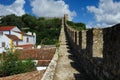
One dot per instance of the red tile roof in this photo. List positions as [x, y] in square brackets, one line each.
[36, 54]
[25, 34]
[35, 75]
[13, 37]
[26, 46]
[43, 62]
[6, 28]
[43, 55]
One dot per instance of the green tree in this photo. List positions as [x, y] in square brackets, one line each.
[12, 20]
[48, 30]
[77, 26]
[11, 64]
[30, 21]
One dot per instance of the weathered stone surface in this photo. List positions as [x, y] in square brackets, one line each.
[64, 70]
[97, 43]
[98, 51]
[83, 39]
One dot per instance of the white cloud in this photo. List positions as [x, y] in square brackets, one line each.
[97, 25]
[108, 12]
[51, 8]
[15, 8]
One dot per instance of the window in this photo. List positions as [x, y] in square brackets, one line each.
[1, 33]
[3, 44]
[27, 40]
[16, 43]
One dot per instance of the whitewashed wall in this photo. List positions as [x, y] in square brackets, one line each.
[16, 29]
[7, 43]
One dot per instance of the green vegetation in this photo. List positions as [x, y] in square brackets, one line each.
[46, 29]
[76, 26]
[10, 65]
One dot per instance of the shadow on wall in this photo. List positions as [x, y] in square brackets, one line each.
[89, 43]
[111, 51]
[77, 65]
[97, 51]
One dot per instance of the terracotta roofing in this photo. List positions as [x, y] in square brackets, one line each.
[26, 46]
[6, 28]
[43, 62]
[13, 37]
[43, 55]
[23, 33]
[35, 75]
[36, 54]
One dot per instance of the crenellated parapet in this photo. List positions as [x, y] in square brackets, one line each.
[98, 49]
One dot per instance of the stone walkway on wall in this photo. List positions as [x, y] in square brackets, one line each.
[66, 66]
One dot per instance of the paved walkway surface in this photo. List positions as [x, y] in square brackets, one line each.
[67, 67]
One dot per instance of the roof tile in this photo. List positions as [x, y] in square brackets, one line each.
[26, 46]
[35, 75]
[6, 28]
[13, 37]
[25, 34]
[36, 54]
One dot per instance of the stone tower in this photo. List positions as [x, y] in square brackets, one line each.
[66, 17]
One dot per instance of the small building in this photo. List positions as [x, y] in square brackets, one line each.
[11, 36]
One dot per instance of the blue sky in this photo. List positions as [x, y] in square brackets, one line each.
[94, 13]
[80, 7]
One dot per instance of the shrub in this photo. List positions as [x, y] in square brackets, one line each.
[77, 26]
[11, 64]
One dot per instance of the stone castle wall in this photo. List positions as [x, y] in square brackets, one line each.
[98, 51]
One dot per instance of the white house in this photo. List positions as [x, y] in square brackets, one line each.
[11, 36]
